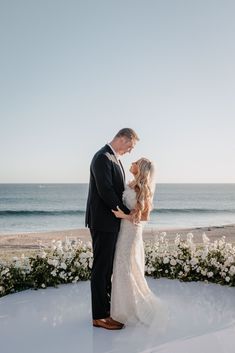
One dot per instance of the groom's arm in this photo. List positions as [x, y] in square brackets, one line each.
[102, 171]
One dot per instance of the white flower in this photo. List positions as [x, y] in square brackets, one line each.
[210, 274]
[5, 271]
[148, 270]
[89, 244]
[177, 239]
[194, 261]
[204, 253]
[43, 285]
[227, 278]
[63, 265]
[229, 260]
[17, 264]
[205, 239]
[62, 275]
[42, 255]
[53, 262]
[222, 242]
[173, 262]
[83, 261]
[232, 270]
[85, 265]
[90, 263]
[83, 255]
[189, 237]
[59, 243]
[166, 260]
[53, 273]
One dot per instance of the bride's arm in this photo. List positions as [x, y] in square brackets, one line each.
[120, 214]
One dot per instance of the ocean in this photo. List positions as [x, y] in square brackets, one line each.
[46, 207]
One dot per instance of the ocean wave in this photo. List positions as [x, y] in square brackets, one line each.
[40, 212]
[82, 212]
[192, 210]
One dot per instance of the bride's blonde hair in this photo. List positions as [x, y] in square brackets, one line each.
[142, 187]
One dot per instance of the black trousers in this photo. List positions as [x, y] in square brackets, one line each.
[103, 244]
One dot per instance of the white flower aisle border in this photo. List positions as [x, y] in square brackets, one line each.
[71, 261]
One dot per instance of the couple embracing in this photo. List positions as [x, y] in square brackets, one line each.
[115, 215]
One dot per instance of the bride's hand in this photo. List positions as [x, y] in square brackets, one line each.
[119, 213]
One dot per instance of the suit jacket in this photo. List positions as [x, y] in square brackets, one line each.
[105, 192]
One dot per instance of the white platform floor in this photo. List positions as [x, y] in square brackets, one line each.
[58, 320]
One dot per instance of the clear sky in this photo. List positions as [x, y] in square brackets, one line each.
[74, 72]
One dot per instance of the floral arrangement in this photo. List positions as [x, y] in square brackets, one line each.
[71, 261]
[209, 262]
[66, 262]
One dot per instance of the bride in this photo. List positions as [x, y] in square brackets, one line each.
[132, 301]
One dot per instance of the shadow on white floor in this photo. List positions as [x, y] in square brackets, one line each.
[58, 320]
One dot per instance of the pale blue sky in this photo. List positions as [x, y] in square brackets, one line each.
[74, 72]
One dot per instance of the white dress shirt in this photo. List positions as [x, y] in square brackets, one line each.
[118, 159]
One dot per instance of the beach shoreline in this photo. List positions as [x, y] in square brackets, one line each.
[29, 243]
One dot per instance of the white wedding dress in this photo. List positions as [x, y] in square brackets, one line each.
[132, 301]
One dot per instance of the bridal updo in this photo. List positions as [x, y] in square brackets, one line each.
[144, 186]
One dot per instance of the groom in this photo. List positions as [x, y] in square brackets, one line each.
[107, 180]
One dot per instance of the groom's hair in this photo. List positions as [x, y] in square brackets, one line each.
[129, 133]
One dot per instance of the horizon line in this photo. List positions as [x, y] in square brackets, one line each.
[69, 183]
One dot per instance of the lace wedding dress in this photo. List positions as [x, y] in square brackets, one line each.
[132, 301]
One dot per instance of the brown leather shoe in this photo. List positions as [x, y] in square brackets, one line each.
[107, 324]
[115, 322]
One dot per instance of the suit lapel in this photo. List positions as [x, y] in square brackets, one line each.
[122, 170]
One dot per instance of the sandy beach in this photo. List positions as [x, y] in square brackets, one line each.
[29, 243]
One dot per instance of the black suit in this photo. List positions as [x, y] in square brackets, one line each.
[105, 193]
